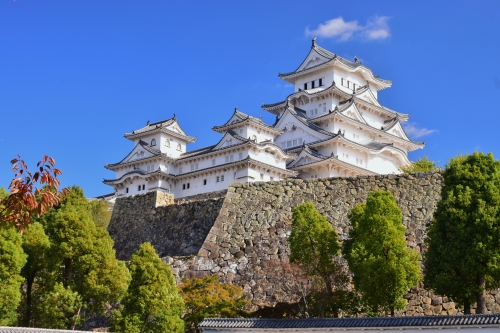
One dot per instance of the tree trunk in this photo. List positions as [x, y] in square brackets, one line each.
[466, 307]
[67, 272]
[392, 311]
[481, 296]
[29, 299]
[329, 289]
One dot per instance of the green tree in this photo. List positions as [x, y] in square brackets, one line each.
[314, 246]
[85, 253]
[99, 210]
[422, 164]
[463, 241]
[152, 303]
[208, 298]
[61, 307]
[384, 267]
[12, 260]
[3, 193]
[36, 245]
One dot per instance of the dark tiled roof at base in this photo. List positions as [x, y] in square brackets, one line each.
[4, 329]
[377, 322]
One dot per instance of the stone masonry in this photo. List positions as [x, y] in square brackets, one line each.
[238, 235]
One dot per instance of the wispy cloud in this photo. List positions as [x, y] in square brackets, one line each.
[337, 28]
[416, 132]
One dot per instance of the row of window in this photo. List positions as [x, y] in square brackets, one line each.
[313, 84]
[227, 158]
[349, 84]
[167, 144]
[291, 143]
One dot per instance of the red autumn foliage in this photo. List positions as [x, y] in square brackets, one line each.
[26, 201]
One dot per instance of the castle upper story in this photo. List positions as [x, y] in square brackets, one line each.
[332, 125]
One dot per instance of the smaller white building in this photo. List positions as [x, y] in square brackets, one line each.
[429, 324]
[159, 160]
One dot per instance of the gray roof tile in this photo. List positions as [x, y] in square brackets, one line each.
[369, 322]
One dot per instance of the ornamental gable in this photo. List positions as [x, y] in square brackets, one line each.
[229, 139]
[368, 96]
[139, 152]
[313, 59]
[353, 112]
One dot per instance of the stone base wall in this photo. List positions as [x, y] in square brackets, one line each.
[247, 230]
[173, 229]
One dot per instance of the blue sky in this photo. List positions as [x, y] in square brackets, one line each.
[76, 75]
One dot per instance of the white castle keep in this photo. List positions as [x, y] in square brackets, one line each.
[331, 126]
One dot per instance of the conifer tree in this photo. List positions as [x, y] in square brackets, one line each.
[314, 246]
[384, 267]
[463, 241]
[152, 303]
[85, 253]
[12, 260]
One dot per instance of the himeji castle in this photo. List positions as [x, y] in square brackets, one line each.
[332, 125]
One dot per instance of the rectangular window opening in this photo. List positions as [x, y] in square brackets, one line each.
[221, 178]
[312, 84]
[217, 179]
[321, 82]
[143, 187]
[183, 186]
[204, 182]
[305, 86]
[187, 185]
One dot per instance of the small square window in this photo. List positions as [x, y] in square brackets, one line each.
[312, 84]
[143, 187]
[305, 86]
[240, 155]
[295, 142]
[187, 185]
[180, 169]
[218, 179]
[221, 178]
[183, 186]
[321, 82]
[289, 144]
[204, 182]
[213, 162]
[126, 190]
[139, 188]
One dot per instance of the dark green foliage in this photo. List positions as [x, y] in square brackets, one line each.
[61, 307]
[12, 259]
[420, 165]
[384, 267]
[86, 257]
[314, 246]
[152, 303]
[463, 255]
[36, 272]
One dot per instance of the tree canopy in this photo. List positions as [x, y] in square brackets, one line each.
[208, 298]
[463, 241]
[12, 260]
[99, 211]
[314, 246]
[152, 303]
[384, 267]
[25, 201]
[85, 253]
[422, 164]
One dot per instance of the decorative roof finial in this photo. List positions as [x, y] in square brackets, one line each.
[356, 60]
[235, 108]
[314, 41]
[260, 117]
[147, 123]
[175, 117]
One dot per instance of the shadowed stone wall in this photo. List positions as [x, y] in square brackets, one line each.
[175, 229]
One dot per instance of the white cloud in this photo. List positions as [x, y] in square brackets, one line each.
[415, 132]
[336, 27]
[376, 28]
